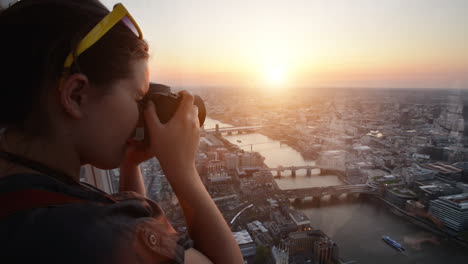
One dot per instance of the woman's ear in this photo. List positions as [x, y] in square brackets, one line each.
[73, 92]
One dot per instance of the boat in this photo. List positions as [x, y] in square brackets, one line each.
[394, 244]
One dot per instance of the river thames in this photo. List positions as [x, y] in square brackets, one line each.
[357, 227]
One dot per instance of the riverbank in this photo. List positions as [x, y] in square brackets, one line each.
[281, 136]
[292, 142]
[427, 225]
[357, 227]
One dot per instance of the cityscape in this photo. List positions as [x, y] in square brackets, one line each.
[321, 175]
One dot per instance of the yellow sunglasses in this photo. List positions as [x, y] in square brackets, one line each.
[118, 13]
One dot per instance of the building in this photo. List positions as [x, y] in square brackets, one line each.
[263, 239]
[280, 254]
[357, 172]
[445, 170]
[452, 210]
[325, 251]
[462, 186]
[260, 233]
[323, 248]
[216, 171]
[415, 208]
[388, 181]
[360, 150]
[399, 196]
[251, 159]
[303, 241]
[433, 189]
[228, 200]
[300, 219]
[212, 155]
[245, 242]
[464, 166]
[256, 227]
[232, 161]
[284, 225]
[416, 173]
[273, 228]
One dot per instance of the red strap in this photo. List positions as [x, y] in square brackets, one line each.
[22, 200]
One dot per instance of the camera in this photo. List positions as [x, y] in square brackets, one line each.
[166, 104]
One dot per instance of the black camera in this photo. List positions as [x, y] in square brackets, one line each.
[166, 104]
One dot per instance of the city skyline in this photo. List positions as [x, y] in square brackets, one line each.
[383, 170]
[272, 44]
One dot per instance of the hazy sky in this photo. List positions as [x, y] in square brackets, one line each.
[378, 43]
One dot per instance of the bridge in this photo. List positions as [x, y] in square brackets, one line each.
[333, 191]
[230, 130]
[293, 169]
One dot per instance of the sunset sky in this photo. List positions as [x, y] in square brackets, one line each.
[305, 43]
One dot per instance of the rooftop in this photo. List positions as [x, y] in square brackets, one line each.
[461, 164]
[299, 218]
[460, 200]
[362, 148]
[242, 237]
[442, 167]
[305, 234]
[416, 170]
[257, 226]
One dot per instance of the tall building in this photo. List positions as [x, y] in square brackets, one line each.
[450, 120]
[216, 171]
[232, 161]
[404, 117]
[325, 251]
[280, 253]
[251, 159]
[452, 210]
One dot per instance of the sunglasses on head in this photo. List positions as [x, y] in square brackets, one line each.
[118, 14]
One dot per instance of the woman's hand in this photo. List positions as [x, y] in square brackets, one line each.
[130, 173]
[176, 142]
[137, 152]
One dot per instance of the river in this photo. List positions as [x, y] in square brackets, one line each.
[357, 227]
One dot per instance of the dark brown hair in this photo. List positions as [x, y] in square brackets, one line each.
[37, 35]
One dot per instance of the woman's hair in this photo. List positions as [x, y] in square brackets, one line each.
[37, 35]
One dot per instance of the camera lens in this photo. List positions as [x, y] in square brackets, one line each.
[166, 104]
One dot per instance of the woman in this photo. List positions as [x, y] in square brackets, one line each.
[72, 77]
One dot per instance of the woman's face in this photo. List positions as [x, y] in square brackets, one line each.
[112, 118]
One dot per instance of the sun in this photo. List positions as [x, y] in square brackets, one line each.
[275, 76]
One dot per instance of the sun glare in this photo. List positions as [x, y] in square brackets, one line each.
[275, 76]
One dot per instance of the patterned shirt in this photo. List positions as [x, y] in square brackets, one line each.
[121, 228]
